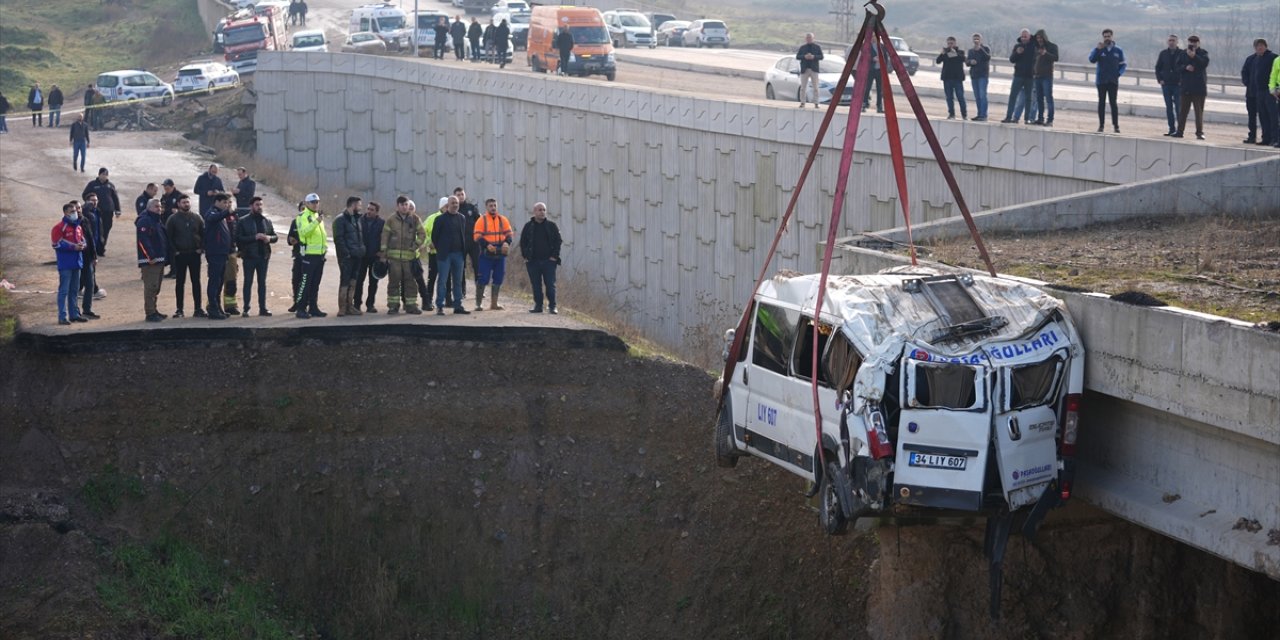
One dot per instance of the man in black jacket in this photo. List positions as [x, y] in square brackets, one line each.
[448, 235]
[442, 37]
[1256, 74]
[1192, 65]
[471, 213]
[4, 113]
[459, 32]
[540, 246]
[810, 56]
[35, 103]
[564, 46]
[55, 106]
[244, 191]
[1023, 59]
[952, 60]
[978, 60]
[208, 185]
[79, 136]
[1169, 78]
[348, 243]
[501, 40]
[1046, 56]
[254, 237]
[474, 32]
[108, 202]
[371, 224]
[149, 192]
[186, 239]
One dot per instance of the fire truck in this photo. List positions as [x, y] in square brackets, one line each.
[242, 39]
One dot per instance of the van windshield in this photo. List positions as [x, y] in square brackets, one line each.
[243, 35]
[589, 35]
[391, 23]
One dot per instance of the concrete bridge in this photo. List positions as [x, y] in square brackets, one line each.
[666, 202]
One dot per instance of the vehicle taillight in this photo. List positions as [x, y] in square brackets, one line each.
[878, 437]
[1070, 424]
[1065, 486]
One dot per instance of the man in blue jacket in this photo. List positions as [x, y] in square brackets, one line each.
[153, 254]
[217, 248]
[1169, 78]
[1109, 66]
[1255, 75]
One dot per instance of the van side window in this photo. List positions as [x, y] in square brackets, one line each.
[841, 362]
[803, 361]
[775, 334]
[364, 24]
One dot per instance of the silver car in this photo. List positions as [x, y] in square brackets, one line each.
[706, 33]
[782, 80]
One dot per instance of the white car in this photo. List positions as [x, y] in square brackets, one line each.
[309, 40]
[134, 84]
[205, 76]
[629, 29]
[706, 33]
[782, 80]
[511, 6]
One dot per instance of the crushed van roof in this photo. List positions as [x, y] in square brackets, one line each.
[878, 312]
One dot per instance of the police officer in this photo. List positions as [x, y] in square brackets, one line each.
[311, 240]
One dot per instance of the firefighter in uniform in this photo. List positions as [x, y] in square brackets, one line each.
[402, 238]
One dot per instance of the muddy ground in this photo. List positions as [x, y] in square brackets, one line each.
[1219, 265]
[557, 487]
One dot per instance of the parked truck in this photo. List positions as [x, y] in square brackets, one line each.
[243, 38]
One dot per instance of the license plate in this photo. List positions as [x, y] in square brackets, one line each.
[937, 462]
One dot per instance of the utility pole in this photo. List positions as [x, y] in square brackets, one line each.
[843, 10]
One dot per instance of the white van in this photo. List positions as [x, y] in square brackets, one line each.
[936, 390]
[389, 22]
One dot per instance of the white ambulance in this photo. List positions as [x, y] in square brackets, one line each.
[389, 22]
[938, 390]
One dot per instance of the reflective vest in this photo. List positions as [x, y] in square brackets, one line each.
[402, 236]
[311, 236]
[492, 229]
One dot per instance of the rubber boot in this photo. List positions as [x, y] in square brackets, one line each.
[493, 301]
[343, 297]
[479, 298]
[353, 305]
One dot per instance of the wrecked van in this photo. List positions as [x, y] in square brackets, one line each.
[937, 391]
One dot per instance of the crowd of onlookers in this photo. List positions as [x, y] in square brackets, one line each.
[1182, 73]
[227, 232]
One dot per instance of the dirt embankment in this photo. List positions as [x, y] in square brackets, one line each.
[553, 486]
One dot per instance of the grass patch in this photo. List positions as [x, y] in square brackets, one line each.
[106, 491]
[172, 585]
[90, 38]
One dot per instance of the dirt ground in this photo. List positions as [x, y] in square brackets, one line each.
[1223, 266]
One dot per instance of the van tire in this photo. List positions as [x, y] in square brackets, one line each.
[611, 75]
[830, 516]
[726, 455]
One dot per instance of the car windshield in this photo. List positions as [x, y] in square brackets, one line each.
[308, 41]
[243, 35]
[391, 23]
[589, 35]
[899, 44]
[633, 20]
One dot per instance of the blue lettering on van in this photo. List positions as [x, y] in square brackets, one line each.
[767, 415]
[1045, 340]
[925, 356]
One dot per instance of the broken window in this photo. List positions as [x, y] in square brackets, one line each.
[804, 350]
[945, 386]
[842, 362]
[1033, 384]
[775, 334]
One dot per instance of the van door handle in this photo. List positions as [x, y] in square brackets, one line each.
[1014, 432]
[744, 376]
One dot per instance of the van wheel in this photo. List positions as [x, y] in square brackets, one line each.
[726, 455]
[611, 75]
[830, 516]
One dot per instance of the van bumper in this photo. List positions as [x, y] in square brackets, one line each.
[591, 66]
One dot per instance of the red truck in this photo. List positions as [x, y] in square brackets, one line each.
[243, 39]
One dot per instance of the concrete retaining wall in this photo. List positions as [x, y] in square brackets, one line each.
[1249, 188]
[1181, 428]
[665, 201]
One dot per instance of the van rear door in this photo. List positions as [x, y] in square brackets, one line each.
[943, 432]
[1027, 424]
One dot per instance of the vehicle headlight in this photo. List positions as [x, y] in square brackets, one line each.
[609, 58]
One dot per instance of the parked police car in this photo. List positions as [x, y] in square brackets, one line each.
[134, 84]
[205, 76]
[936, 390]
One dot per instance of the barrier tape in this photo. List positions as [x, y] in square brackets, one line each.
[121, 103]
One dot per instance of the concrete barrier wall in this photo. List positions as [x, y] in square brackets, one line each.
[1181, 426]
[665, 201]
[1250, 188]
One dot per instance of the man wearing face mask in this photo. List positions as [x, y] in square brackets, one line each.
[348, 242]
[68, 242]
